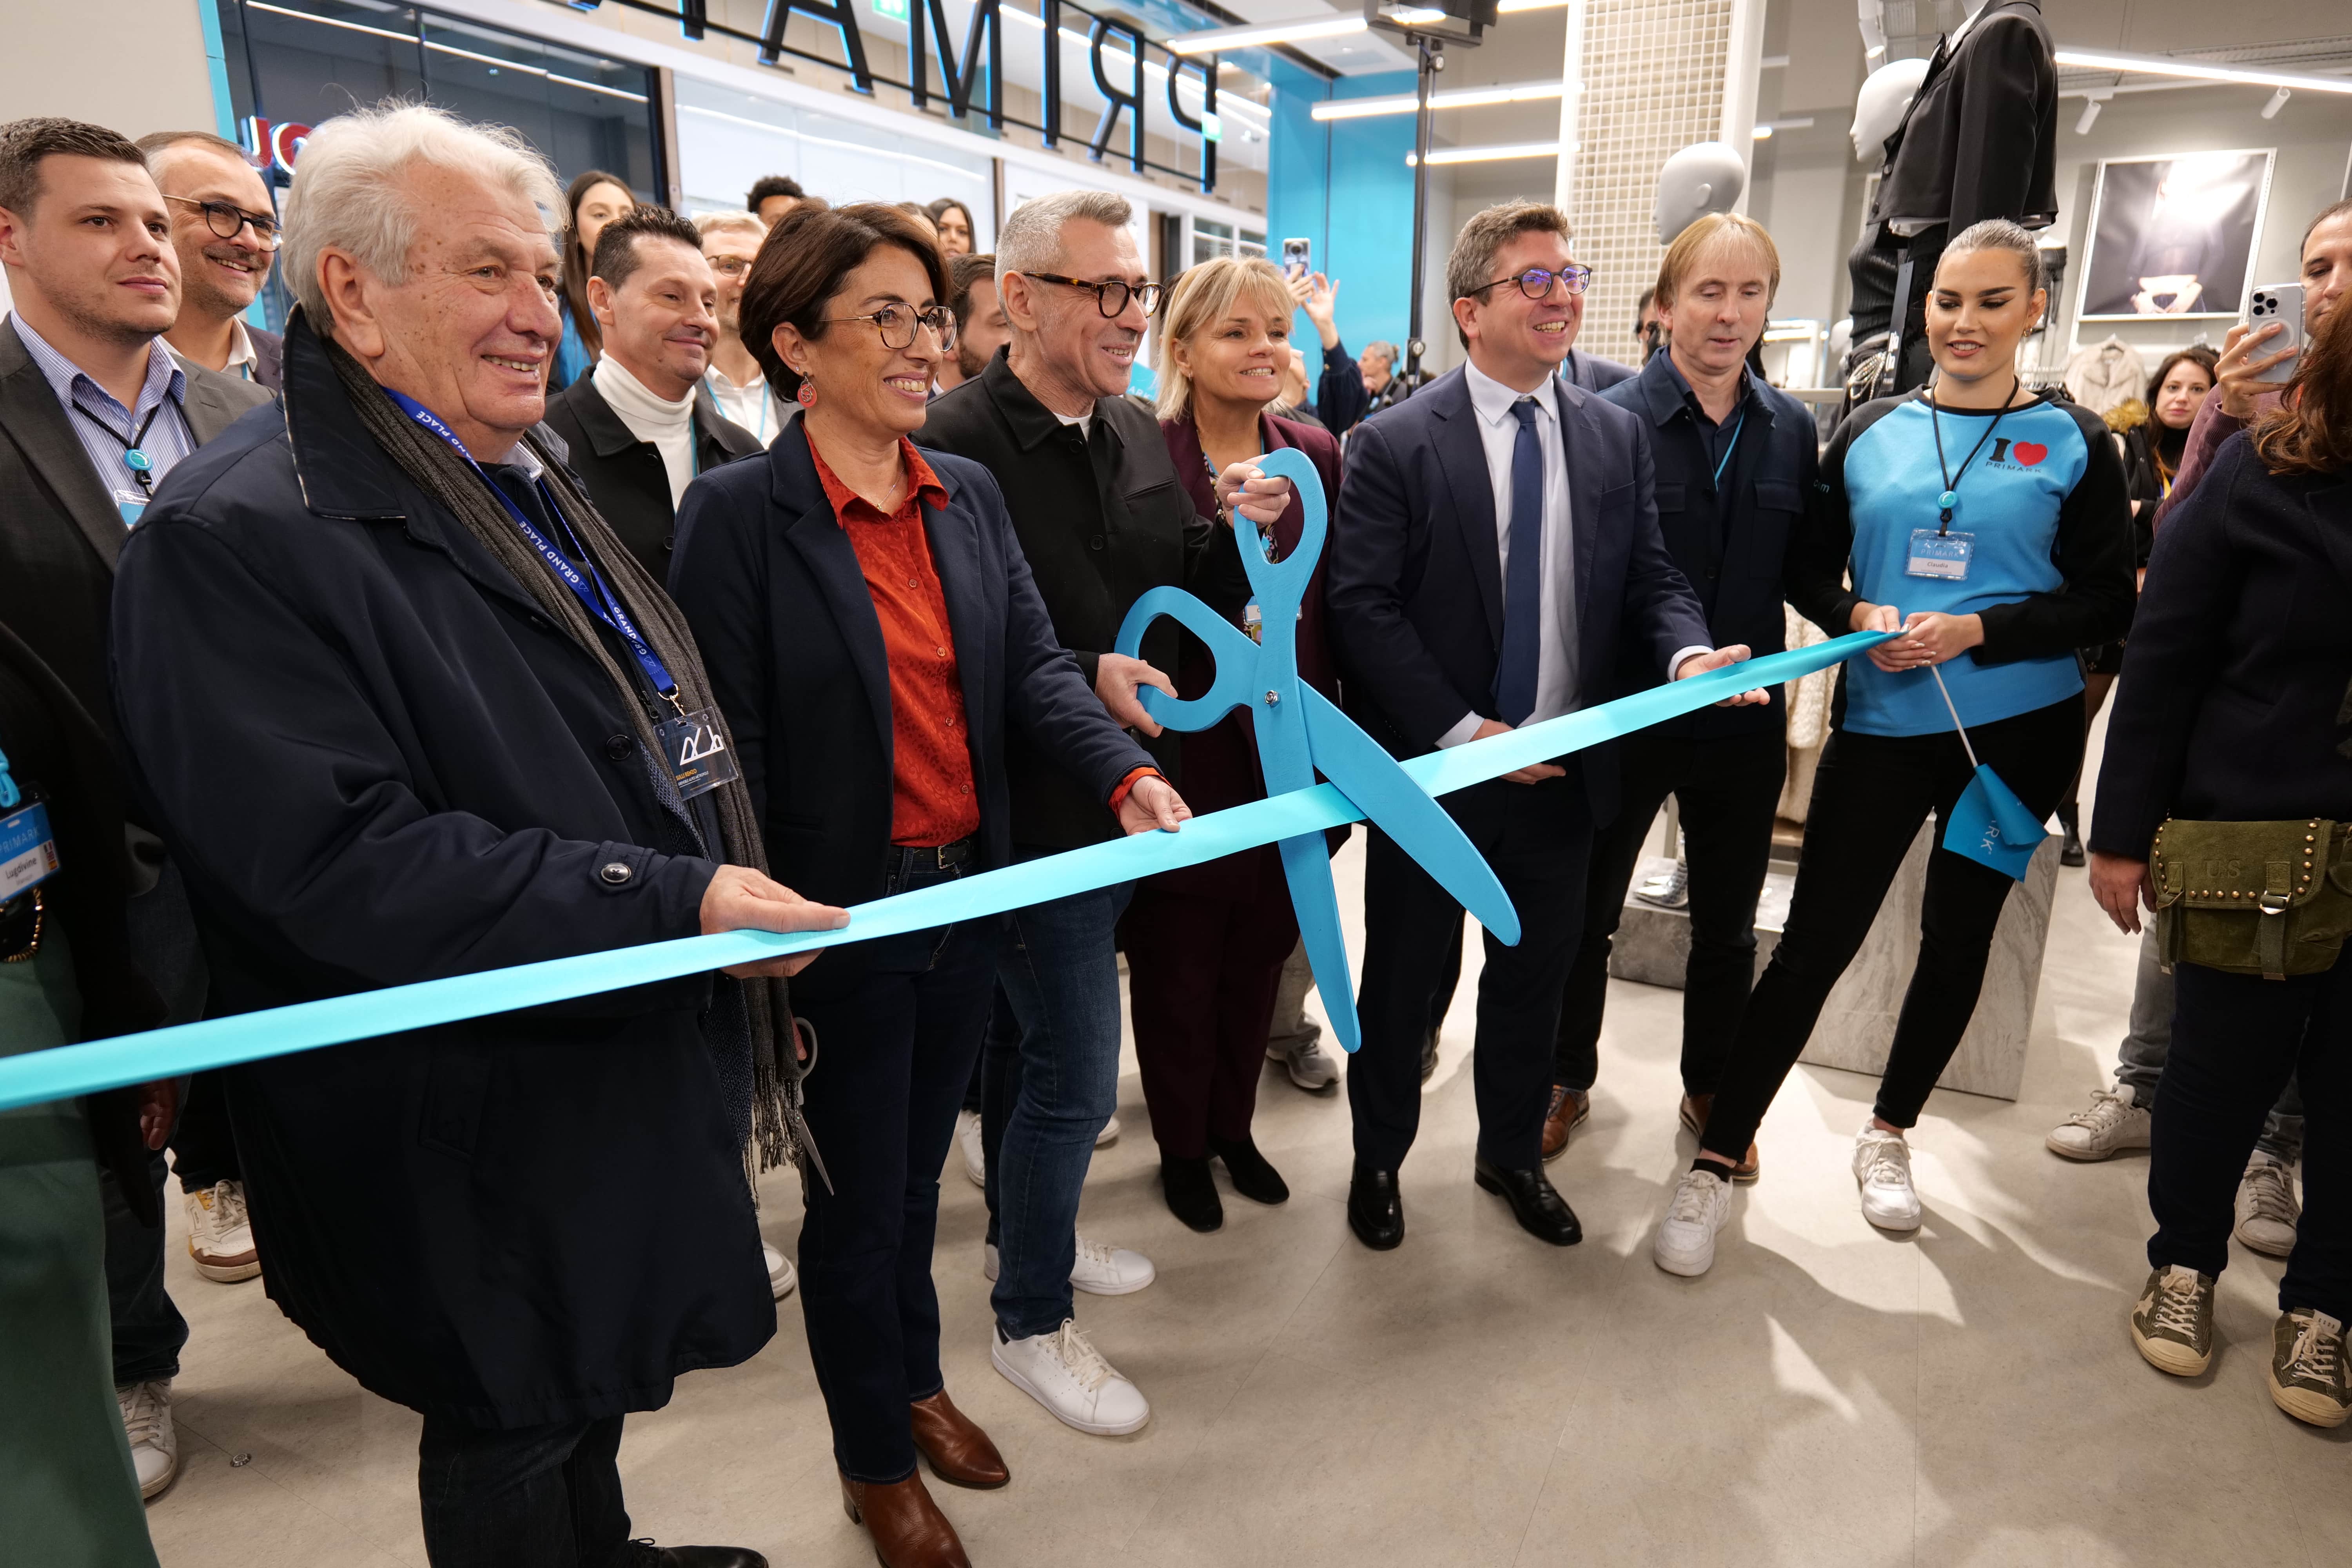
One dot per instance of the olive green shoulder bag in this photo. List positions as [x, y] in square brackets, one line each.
[2271, 898]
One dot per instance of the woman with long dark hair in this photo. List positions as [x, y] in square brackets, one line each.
[2228, 765]
[593, 200]
[952, 219]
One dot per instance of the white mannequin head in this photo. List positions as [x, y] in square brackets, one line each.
[1704, 177]
[1878, 108]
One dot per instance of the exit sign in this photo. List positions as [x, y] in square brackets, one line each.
[890, 10]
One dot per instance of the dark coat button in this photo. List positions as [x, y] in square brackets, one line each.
[1098, 541]
[617, 747]
[616, 872]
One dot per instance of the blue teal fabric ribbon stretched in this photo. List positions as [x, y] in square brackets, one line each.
[85, 1068]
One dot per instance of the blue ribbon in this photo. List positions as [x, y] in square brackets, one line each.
[67, 1071]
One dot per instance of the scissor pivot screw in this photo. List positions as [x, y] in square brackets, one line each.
[1272, 698]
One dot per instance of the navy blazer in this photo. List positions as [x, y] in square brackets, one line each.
[1414, 583]
[2239, 669]
[772, 585]
[1735, 567]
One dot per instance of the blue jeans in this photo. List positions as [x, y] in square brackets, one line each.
[1048, 1092]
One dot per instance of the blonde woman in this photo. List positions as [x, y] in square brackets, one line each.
[1205, 945]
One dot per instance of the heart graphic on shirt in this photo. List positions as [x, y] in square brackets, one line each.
[2030, 452]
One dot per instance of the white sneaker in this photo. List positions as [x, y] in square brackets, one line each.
[781, 1277]
[1686, 1242]
[2115, 1121]
[1882, 1168]
[147, 1422]
[220, 1238]
[1309, 1065]
[1101, 1269]
[1108, 1135]
[2267, 1211]
[975, 1156]
[1064, 1372]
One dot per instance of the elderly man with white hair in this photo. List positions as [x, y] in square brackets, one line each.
[401, 703]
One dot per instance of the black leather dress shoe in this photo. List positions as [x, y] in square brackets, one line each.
[1541, 1212]
[1375, 1212]
[646, 1553]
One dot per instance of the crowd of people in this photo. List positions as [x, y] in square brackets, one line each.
[394, 648]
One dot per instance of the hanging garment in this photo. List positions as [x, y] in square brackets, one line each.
[2105, 374]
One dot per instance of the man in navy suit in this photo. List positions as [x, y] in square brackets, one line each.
[1496, 547]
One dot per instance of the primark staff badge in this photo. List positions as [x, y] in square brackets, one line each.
[695, 747]
[28, 851]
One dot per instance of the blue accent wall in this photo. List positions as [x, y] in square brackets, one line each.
[1344, 184]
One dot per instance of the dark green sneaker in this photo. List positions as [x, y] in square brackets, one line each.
[2173, 1324]
[2307, 1378]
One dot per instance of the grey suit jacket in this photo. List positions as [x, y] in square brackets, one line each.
[59, 534]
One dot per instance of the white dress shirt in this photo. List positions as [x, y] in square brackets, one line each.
[242, 360]
[753, 406]
[1499, 433]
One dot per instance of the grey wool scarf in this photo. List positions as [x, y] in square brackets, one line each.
[749, 1024]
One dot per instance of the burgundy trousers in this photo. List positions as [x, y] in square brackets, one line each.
[1202, 975]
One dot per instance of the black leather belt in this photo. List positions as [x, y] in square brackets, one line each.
[936, 857]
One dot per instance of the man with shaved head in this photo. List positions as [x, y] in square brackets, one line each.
[225, 228]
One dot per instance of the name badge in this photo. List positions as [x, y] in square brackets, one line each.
[1944, 555]
[695, 747]
[130, 504]
[27, 852]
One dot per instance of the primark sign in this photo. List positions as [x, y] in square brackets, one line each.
[970, 69]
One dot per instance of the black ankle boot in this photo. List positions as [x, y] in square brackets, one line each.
[1252, 1177]
[1191, 1193]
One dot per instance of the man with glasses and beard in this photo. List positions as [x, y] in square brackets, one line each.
[980, 326]
[225, 228]
[730, 241]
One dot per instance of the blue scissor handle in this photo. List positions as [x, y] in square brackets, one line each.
[1283, 584]
[1236, 657]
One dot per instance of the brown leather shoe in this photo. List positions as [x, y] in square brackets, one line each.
[907, 1528]
[959, 1452]
[1695, 1110]
[1568, 1108]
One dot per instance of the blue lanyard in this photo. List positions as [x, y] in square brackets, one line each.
[598, 600]
[761, 432]
[1729, 447]
[9, 794]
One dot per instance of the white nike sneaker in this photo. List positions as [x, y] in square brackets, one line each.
[2268, 1214]
[975, 1156]
[1108, 1135]
[2115, 1120]
[1686, 1241]
[1101, 1269]
[781, 1277]
[1069, 1377]
[147, 1422]
[1882, 1168]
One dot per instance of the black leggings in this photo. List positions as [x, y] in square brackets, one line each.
[1871, 792]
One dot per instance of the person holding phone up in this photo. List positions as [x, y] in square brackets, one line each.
[1989, 525]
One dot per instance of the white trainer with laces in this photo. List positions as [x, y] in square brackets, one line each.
[220, 1238]
[147, 1422]
[1686, 1241]
[781, 1277]
[1882, 1168]
[967, 1139]
[1309, 1065]
[1100, 1270]
[1108, 1135]
[1064, 1372]
[2113, 1121]
[2268, 1214]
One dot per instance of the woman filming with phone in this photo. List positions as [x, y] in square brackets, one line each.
[1988, 525]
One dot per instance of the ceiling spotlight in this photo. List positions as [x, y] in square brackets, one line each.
[2278, 102]
[2090, 116]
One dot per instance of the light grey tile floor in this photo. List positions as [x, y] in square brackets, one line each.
[1827, 1395]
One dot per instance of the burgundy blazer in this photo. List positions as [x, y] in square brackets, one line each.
[1221, 762]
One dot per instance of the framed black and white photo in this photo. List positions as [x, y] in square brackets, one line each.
[2175, 235]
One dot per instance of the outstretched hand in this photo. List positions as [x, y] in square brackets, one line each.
[740, 899]
[1722, 659]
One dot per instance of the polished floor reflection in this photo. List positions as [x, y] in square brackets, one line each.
[1827, 1395]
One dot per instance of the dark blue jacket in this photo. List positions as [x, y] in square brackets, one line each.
[787, 628]
[1732, 562]
[376, 761]
[1414, 584]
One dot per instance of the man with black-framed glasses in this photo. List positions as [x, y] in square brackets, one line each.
[225, 228]
[1094, 499]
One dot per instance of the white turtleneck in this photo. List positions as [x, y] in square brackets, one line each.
[669, 426]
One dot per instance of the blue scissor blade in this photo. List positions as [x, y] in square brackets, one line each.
[1307, 863]
[1383, 792]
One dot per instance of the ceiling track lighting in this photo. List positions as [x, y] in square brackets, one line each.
[1487, 154]
[2278, 102]
[2199, 70]
[2090, 116]
[1465, 98]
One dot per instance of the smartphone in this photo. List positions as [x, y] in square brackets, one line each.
[1297, 263]
[2282, 304]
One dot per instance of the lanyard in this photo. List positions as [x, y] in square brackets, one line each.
[766, 398]
[9, 794]
[1952, 496]
[141, 465]
[594, 594]
[1729, 447]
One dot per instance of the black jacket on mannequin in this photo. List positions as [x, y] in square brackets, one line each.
[1981, 138]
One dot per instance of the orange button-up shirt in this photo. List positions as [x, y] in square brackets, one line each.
[931, 799]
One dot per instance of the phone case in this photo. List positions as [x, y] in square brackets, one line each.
[2282, 303]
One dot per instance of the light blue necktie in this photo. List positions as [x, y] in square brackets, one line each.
[1515, 674]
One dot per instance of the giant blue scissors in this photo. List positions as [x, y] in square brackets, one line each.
[1299, 734]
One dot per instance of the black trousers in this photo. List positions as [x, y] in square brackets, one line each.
[1871, 792]
[1539, 839]
[2236, 1040]
[204, 1149]
[534, 1496]
[1728, 788]
[896, 1053]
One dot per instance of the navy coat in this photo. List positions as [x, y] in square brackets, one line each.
[780, 607]
[1733, 566]
[376, 762]
[1414, 583]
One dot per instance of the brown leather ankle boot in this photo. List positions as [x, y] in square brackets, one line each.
[907, 1528]
[959, 1452]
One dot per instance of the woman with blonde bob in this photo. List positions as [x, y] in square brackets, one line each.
[1205, 945]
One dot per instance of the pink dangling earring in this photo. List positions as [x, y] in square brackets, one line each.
[806, 395]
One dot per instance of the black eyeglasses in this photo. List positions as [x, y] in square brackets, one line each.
[1536, 281]
[1111, 296]
[896, 324]
[224, 220]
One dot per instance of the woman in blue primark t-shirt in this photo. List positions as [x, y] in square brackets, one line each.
[1990, 526]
